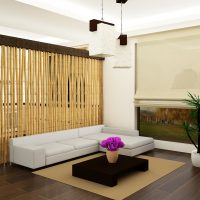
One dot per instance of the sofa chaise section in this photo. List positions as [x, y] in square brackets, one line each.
[134, 144]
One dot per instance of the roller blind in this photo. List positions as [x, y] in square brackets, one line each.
[167, 67]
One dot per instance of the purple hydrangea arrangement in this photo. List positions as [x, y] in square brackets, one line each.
[112, 143]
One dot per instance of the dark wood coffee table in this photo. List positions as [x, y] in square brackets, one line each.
[100, 171]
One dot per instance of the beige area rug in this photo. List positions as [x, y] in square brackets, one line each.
[126, 185]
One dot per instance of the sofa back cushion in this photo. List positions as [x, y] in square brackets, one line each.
[32, 139]
[119, 131]
[65, 134]
[45, 138]
[90, 130]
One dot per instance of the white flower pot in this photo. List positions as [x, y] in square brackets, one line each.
[195, 158]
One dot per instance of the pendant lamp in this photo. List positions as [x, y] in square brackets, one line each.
[124, 48]
[103, 38]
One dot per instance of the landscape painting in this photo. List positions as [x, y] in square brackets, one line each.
[164, 123]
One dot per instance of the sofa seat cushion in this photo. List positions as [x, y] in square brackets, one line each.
[135, 141]
[80, 143]
[98, 136]
[56, 148]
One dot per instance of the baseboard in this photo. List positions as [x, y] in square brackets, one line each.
[174, 146]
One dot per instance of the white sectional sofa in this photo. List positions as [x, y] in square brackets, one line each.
[44, 149]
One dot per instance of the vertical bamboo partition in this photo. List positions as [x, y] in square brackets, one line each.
[43, 92]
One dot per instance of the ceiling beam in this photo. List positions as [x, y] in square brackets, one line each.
[41, 46]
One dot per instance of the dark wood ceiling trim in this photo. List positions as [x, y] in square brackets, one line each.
[121, 1]
[94, 22]
[40, 46]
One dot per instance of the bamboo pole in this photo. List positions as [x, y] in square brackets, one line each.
[101, 92]
[59, 93]
[64, 91]
[87, 92]
[44, 100]
[51, 94]
[1, 96]
[42, 79]
[54, 65]
[17, 91]
[30, 95]
[7, 102]
[20, 94]
[55, 91]
[48, 89]
[71, 93]
[11, 97]
[83, 92]
[68, 114]
[25, 93]
[2, 101]
[31, 117]
[90, 92]
[68, 96]
[76, 91]
[37, 91]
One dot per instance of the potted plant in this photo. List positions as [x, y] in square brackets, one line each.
[193, 130]
[112, 144]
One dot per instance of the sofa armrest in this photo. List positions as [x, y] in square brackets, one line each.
[119, 131]
[29, 156]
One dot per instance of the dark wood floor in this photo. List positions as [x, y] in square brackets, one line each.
[18, 183]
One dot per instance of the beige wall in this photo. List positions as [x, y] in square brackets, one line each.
[119, 87]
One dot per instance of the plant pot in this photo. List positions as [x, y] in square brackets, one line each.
[112, 156]
[195, 157]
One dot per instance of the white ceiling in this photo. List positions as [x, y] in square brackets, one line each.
[135, 12]
[66, 20]
[32, 36]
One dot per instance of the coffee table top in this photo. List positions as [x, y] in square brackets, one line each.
[101, 165]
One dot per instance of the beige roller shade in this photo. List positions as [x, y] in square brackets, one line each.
[167, 67]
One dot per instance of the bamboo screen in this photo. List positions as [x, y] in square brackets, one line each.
[43, 92]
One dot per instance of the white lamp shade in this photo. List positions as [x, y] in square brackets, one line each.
[124, 55]
[102, 42]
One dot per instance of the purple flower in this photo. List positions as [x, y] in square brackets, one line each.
[112, 143]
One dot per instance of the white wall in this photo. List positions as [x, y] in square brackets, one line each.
[119, 109]
[119, 88]
[174, 146]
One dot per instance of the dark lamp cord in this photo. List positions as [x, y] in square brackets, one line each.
[102, 10]
[121, 18]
